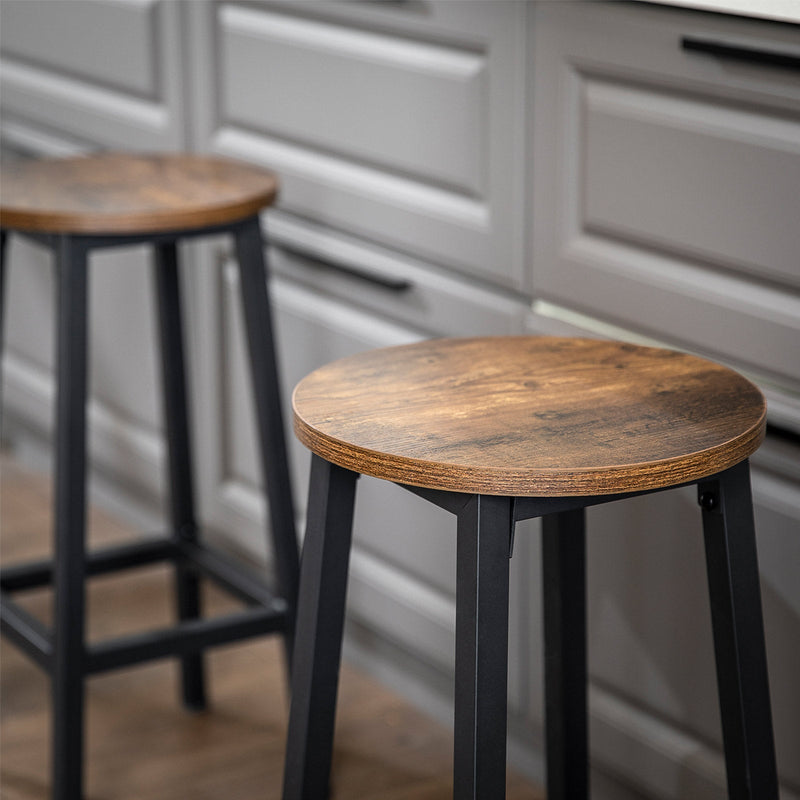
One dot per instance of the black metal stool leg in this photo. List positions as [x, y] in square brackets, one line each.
[70, 519]
[3, 246]
[179, 456]
[564, 601]
[739, 646]
[320, 622]
[269, 414]
[481, 678]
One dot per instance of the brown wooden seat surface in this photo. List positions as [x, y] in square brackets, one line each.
[529, 416]
[116, 193]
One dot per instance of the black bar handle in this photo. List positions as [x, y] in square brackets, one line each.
[374, 278]
[741, 51]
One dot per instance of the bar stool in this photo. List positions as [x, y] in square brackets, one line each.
[497, 430]
[74, 206]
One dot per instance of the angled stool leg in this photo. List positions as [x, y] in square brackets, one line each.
[320, 622]
[482, 573]
[70, 519]
[3, 245]
[3, 248]
[564, 601]
[176, 417]
[269, 414]
[739, 647]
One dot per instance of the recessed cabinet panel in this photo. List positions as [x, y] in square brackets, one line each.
[408, 107]
[100, 42]
[103, 72]
[656, 163]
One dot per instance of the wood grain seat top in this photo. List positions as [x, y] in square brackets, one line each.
[116, 193]
[529, 416]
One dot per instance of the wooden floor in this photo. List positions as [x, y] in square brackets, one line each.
[141, 744]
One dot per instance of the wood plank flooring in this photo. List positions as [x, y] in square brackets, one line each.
[141, 744]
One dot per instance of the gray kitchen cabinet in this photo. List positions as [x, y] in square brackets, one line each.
[666, 179]
[398, 122]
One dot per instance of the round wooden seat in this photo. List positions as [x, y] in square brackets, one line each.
[530, 416]
[113, 193]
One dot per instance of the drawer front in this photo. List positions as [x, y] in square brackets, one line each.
[700, 182]
[101, 72]
[106, 43]
[393, 126]
[388, 283]
[667, 178]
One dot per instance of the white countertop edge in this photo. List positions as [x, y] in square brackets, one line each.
[780, 10]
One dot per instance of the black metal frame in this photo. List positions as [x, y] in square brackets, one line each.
[63, 651]
[484, 540]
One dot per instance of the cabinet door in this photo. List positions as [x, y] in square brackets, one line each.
[394, 122]
[665, 178]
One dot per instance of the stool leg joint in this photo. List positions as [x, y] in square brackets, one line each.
[708, 500]
[187, 532]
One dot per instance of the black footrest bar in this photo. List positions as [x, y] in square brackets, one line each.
[136, 554]
[188, 637]
[25, 631]
[231, 575]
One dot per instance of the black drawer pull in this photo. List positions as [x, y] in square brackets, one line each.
[375, 278]
[738, 51]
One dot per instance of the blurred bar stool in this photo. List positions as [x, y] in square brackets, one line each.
[74, 206]
[498, 430]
